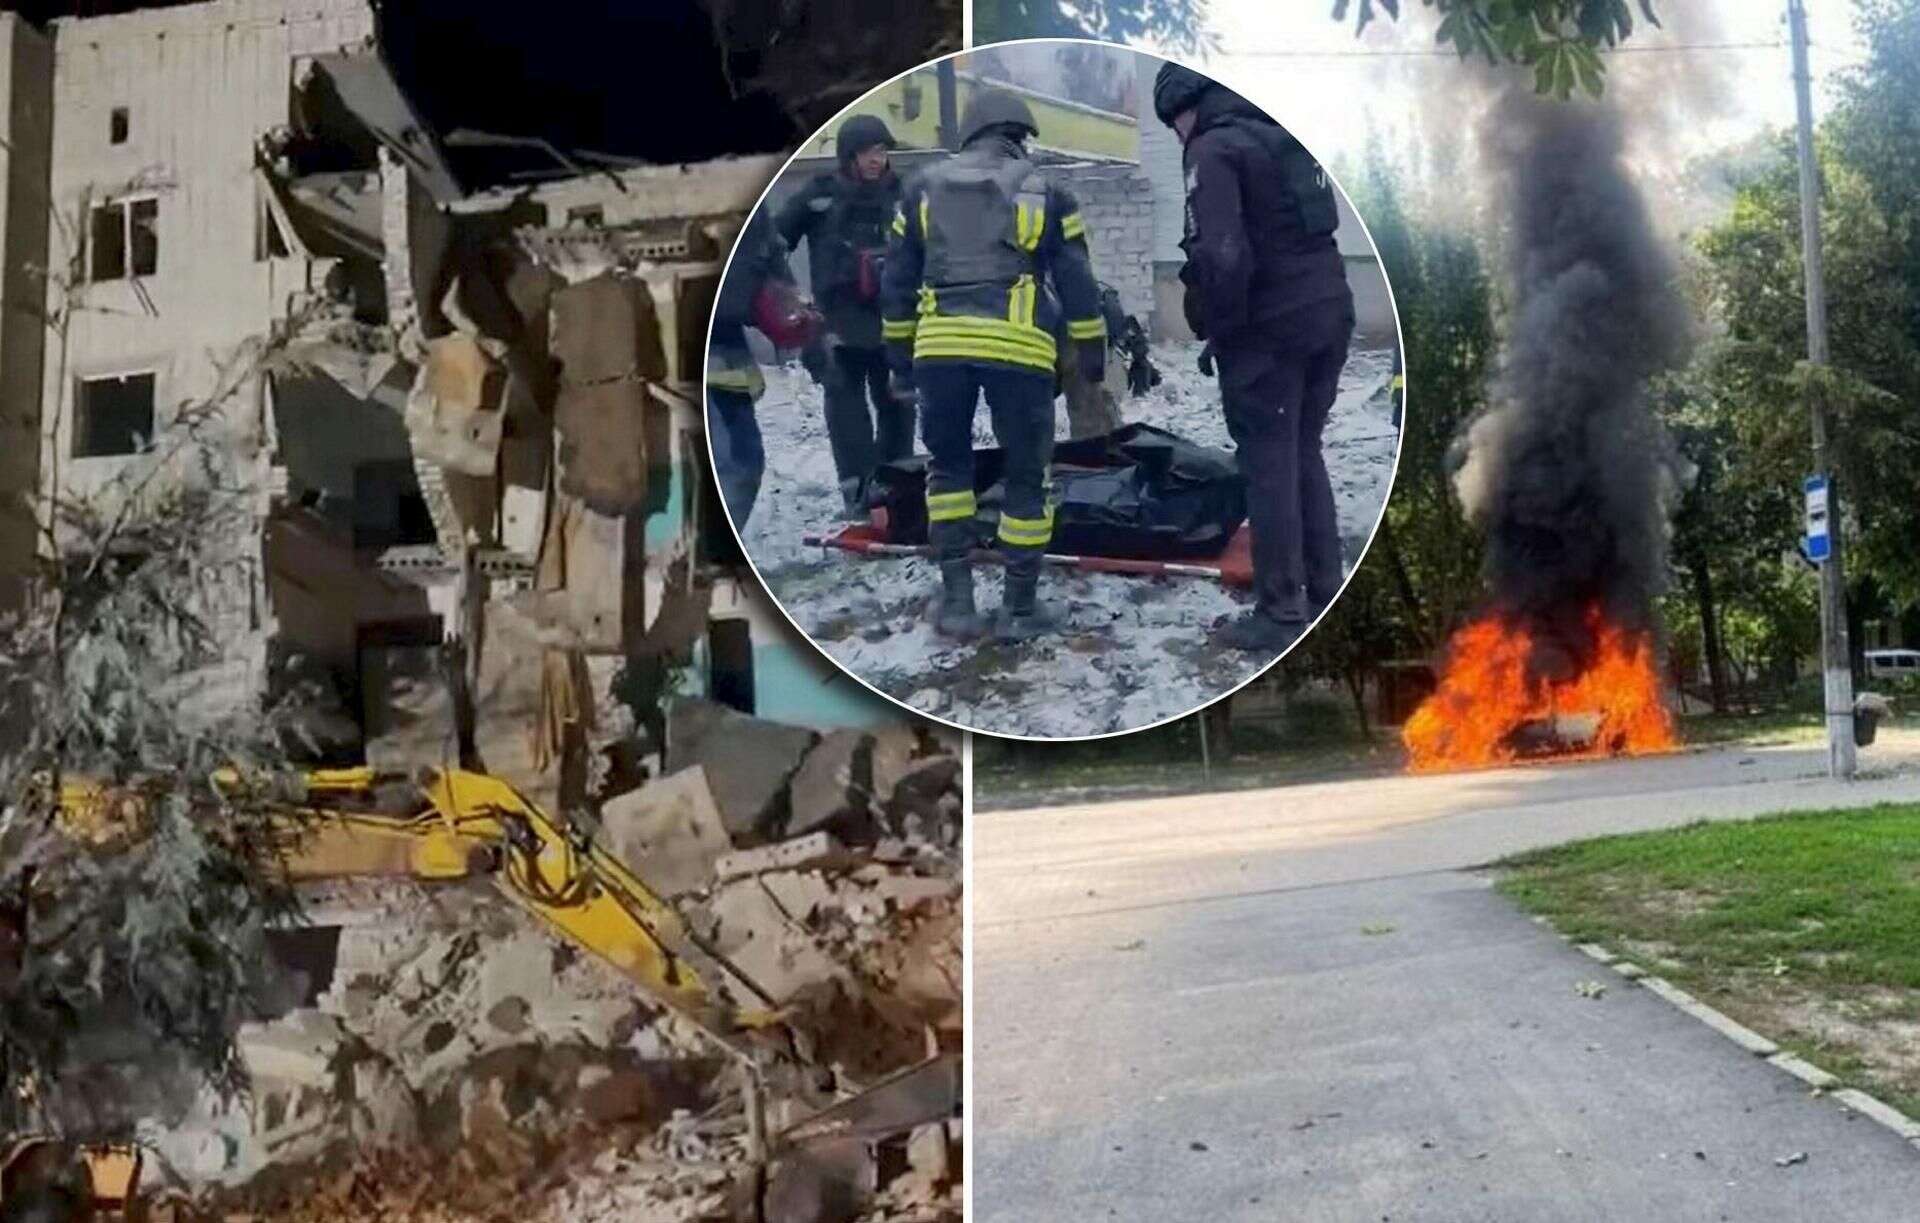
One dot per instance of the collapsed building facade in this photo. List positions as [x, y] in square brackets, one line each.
[466, 367]
[458, 374]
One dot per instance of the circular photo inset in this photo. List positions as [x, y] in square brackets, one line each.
[1053, 389]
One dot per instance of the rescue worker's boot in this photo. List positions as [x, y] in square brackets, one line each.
[853, 495]
[954, 614]
[1022, 613]
[1258, 633]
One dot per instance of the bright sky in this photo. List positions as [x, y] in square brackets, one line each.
[1330, 88]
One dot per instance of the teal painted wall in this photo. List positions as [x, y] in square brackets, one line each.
[793, 683]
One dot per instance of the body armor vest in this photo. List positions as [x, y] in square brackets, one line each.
[983, 221]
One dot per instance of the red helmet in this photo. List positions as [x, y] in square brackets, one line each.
[783, 316]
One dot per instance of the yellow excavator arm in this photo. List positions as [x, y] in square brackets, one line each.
[452, 824]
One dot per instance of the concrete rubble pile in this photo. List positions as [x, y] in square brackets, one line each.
[454, 1055]
[488, 541]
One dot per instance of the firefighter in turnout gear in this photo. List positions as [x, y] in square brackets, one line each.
[844, 215]
[734, 381]
[986, 260]
[1267, 290]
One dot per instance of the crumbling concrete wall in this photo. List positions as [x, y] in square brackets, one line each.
[26, 135]
[1120, 205]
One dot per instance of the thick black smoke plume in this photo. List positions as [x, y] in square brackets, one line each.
[1568, 472]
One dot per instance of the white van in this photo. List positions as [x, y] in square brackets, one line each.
[1893, 664]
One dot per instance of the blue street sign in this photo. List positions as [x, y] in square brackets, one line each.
[1819, 538]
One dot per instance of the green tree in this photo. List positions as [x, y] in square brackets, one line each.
[1180, 25]
[134, 910]
[1759, 376]
[1876, 128]
[1559, 39]
[1425, 554]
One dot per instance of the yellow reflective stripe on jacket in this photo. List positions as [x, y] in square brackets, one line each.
[1086, 328]
[897, 328]
[951, 507]
[988, 339]
[1073, 225]
[1020, 300]
[928, 303]
[899, 222]
[923, 218]
[1026, 532]
[746, 379]
[1028, 224]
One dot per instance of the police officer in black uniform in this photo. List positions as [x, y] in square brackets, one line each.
[844, 215]
[1267, 291]
[979, 241]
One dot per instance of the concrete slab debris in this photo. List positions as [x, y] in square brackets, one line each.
[749, 761]
[770, 947]
[815, 850]
[456, 411]
[603, 444]
[606, 330]
[834, 788]
[669, 832]
[298, 1051]
[365, 85]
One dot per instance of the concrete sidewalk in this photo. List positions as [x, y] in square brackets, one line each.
[1265, 1058]
[1294, 1006]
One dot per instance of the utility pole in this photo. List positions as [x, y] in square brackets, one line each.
[1836, 660]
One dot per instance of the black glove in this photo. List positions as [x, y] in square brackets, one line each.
[1141, 375]
[1206, 358]
[1093, 359]
[901, 387]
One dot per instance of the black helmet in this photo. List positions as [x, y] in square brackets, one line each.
[992, 107]
[862, 132]
[1177, 89]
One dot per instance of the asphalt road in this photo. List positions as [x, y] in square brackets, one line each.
[1296, 1004]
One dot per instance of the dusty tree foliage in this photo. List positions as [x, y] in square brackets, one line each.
[134, 914]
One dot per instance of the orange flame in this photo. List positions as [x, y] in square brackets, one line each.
[1487, 692]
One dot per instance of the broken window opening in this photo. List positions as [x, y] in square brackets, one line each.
[730, 664]
[589, 216]
[112, 415]
[124, 239]
[117, 126]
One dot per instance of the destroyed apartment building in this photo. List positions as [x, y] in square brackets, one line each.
[459, 371]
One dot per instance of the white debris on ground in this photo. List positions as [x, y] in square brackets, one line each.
[1135, 651]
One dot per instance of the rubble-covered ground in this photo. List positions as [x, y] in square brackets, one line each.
[453, 1058]
[1135, 652]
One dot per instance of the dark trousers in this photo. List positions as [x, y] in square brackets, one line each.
[739, 458]
[1020, 403]
[866, 425]
[1277, 390]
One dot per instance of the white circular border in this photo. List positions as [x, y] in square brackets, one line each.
[1392, 476]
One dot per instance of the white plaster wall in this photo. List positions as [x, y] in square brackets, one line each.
[1120, 206]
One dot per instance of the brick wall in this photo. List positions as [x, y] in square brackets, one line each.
[1118, 204]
